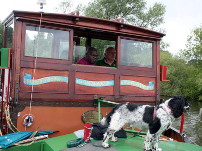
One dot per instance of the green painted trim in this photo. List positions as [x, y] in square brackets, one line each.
[4, 60]
[105, 101]
[99, 111]
[59, 143]
[136, 144]
[134, 131]
[129, 144]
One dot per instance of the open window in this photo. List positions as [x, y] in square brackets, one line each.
[98, 40]
[46, 43]
[136, 53]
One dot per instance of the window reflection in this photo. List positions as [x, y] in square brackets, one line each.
[136, 53]
[47, 43]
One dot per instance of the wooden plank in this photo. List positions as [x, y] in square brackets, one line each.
[130, 85]
[44, 81]
[157, 72]
[94, 83]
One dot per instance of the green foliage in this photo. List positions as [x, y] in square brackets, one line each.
[9, 40]
[9, 36]
[134, 12]
[193, 51]
[43, 47]
[193, 55]
[184, 78]
[64, 7]
[1, 35]
[101, 46]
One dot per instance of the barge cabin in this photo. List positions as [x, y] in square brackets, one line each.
[43, 85]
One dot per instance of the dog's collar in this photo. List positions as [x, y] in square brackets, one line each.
[155, 110]
[157, 107]
[168, 108]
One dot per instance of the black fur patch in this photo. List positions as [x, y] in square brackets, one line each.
[148, 115]
[177, 104]
[155, 126]
[131, 106]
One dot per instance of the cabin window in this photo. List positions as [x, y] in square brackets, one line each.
[136, 53]
[46, 43]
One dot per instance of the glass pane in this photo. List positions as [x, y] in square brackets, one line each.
[46, 43]
[79, 48]
[136, 53]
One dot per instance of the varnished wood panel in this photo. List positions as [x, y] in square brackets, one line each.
[44, 81]
[138, 86]
[96, 82]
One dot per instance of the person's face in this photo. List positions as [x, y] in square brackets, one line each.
[110, 54]
[92, 57]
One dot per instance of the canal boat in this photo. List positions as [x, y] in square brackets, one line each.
[44, 89]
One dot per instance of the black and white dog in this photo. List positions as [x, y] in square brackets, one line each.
[145, 117]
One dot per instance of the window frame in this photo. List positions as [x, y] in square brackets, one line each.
[97, 35]
[47, 60]
[154, 45]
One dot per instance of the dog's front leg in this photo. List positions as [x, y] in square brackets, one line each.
[155, 143]
[147, 141]
[114, 139]
[106, 138]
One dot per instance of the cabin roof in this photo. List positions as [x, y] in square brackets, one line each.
[84, 22]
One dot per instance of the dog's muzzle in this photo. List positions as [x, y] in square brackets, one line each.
[187, 107]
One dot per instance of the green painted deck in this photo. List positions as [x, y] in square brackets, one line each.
[129, 144]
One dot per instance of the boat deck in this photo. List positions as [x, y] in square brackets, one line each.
[129, 144]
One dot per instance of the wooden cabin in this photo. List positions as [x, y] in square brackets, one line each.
[46, 83]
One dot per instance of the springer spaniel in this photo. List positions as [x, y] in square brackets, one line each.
[155, 119]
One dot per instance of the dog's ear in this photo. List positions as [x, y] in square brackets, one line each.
[177, 104]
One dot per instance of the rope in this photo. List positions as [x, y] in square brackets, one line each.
[0, 133]
[8, 119]
[35, 62]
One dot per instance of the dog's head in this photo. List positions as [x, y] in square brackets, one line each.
[178, 105]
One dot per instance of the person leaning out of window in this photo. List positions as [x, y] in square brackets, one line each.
[109, 59]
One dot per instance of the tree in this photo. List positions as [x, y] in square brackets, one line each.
[134, 12]
[193, 51]
[193, 55]
[64, 6]
[183, 78]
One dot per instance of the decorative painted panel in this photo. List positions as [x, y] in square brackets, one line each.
[130, 85]
[44, 81]
[94, 83]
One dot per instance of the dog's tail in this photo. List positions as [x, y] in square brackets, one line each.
[106, 120]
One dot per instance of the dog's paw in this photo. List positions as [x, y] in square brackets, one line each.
[158, 149]
[114, 139]
[105, 145]
[147, 149]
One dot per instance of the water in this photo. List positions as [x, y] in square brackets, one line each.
[192, 124]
